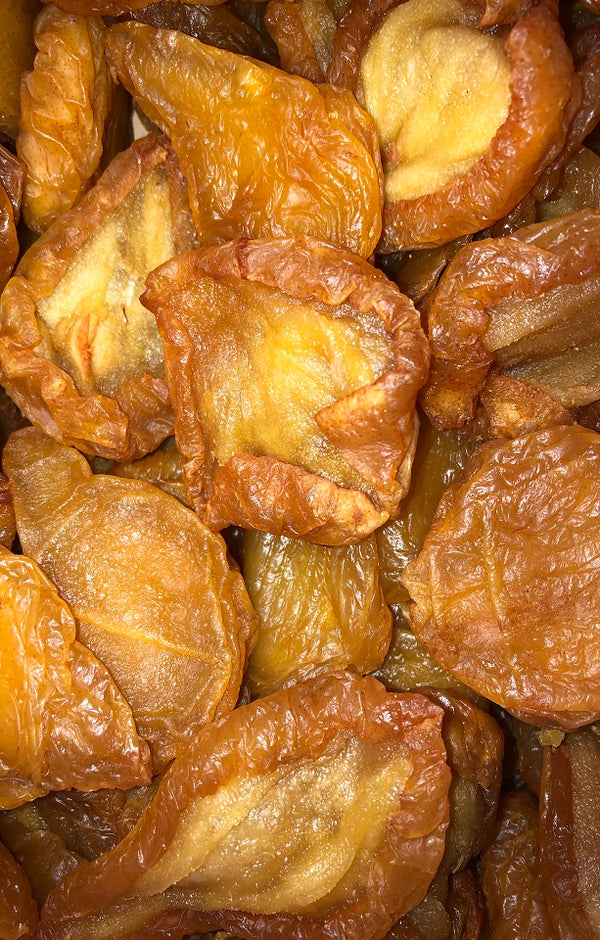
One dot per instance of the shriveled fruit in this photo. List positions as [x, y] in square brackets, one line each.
[309, 163]
[151, 587]
[319, 810]
[505, 589]
[320, 608]
[18, 910]
[527, 302]
[65, 103]
[293, 369]
[467, 117]
[64, 721]
[78, 352]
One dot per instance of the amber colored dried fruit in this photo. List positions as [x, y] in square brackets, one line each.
[505, 590]
[309, 164]
[570, 834]
[65, 102]
[12, 173]
[510, 408]
[417, 272]
[318, 811]
[18, 910]
[162, 469]
[585, 48]
[54, 834]
[579, 187]
[439, 458]
[78, 353]
[293, 369]
[8, 524]
[320, 608]
[527, 302]
[513, 882]
[214, 25]
[409, 667]
[467, 118]
[17, 52]
[176, 648]
[64, 722]
[303, 32]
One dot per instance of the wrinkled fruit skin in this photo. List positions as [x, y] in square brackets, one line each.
[320, 166]
[483, 603]
[314, 727]
[325, 451]
[178, 648]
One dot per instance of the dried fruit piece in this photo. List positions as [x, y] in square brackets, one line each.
[439, 458]
[303, 32]
[17, 51]
[467, 118]
[527, 302]
[64, 722]
[162, 469]
[78, 353]
[11, 187]
[112, 7]
[505, 590]
[293, 369]
[319, 609]
[214, 25]
[176, 648]
[569, 834]
[318, 811]
[513, 882]
[18, 910]
[318, 172]
[65, 103]
[54, 834]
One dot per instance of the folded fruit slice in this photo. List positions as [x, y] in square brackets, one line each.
[320, 608]
[529, 304]
[18, 910]
[569, 833]
[318, 811]
[63, 721]
[65, 103]
[278, 156]
[293, 369]
[78, 353]
[151, 587]
[468, 117]
[506, 587]
[12, 173]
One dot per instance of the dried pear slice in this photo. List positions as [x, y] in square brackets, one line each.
[467, 119]
[64, 721]
[279, 156]
[153, 592]
[528, 303]
[317, 811]
[293, 369]
[78, 352]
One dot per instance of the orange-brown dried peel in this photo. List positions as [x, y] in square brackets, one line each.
[154, 595]
[330, 356]
[505, 589]
[277, 156]
[18, 910]
[65, 104]
[317, 811]
[78, 353]
[64, 723]
[526, 301]
[544, 94]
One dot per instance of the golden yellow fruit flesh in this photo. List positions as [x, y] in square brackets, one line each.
[438, 89]
[100, 332]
